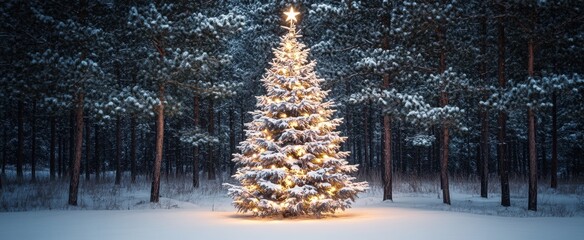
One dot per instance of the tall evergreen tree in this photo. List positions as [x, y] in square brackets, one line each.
[290, 163]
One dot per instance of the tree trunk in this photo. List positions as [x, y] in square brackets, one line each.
[444, 166]
[554, 167]
[96, 155]
[544, 165]
[118, 151]
[418, 161]
[33, 143]
[74, 185]
[178, 154]
[502, 120]
[532, 163]
[372, 152]
[68, 165]
[445, 130]
[155, 191]
[387, 164]
[484, 153]
[133, 149]
[87, 149]
[61, 156]
[210, 153]
[196, 148]
[231, 138]
[4, 150]
[484, 115]
[400, 156]
[52, 148]
[532, 205]
[366, 126]
[20, 148]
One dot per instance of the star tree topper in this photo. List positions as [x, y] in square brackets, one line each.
[291, 15]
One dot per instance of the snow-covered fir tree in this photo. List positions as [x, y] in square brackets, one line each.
[290, 164]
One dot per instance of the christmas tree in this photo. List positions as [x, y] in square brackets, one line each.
[290, 163]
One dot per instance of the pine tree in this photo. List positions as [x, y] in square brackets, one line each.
[290, 163]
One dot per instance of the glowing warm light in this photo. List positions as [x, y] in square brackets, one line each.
[299, 132]
[291, 15]
[299, 150]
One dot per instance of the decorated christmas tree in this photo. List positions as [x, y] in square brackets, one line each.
[290, 164]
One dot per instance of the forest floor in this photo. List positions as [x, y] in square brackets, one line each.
[39, 211]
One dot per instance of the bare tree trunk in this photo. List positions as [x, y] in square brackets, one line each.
[231, 138]
[210, 153]
[484, 146]
[87, 149]
[366, 127]
[196, 148]
[484, 153]
[33, 143]
[5, 150]
[418, 161]
[404, 166]
[96, 155]
[544, 164]
[118, 151]
[20, 148]
[155, 191]
[387, 163]
[177, 154]
[68, 165]
[532, 205]
[554, 167]
[74, 185]
[445, 130]
[502, 120]
[444, 166]
[133, 149]
[52, 148]
[371, 135]
[61, 156]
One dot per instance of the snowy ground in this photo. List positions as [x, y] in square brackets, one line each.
[123, 212]
[380, 222]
